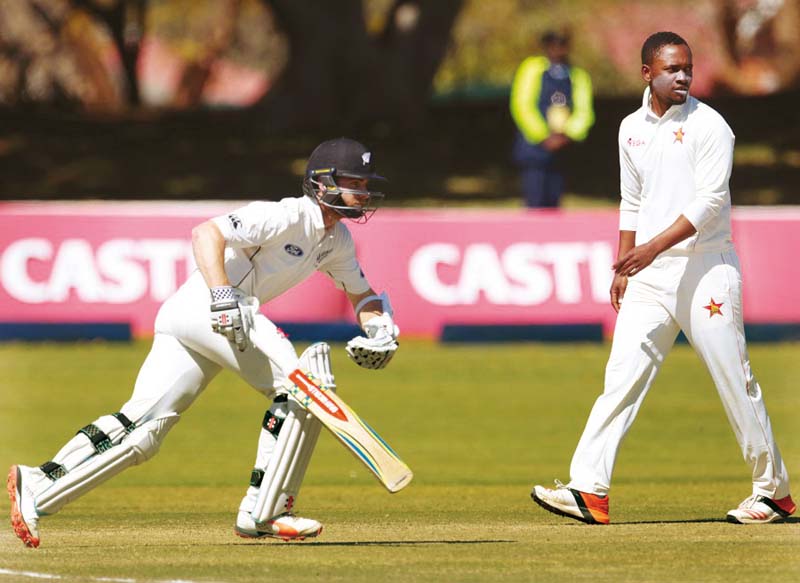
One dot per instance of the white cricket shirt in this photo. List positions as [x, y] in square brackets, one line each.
[273, 246]
[677, 164]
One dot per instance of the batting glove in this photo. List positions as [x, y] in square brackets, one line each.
[226, 317]
[381, 327]
[376, 349]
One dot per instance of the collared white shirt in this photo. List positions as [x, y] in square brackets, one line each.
[273, 246]
[679, 163]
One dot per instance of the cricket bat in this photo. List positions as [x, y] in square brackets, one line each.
[338, 418]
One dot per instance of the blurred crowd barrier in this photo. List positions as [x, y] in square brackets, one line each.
[73, 263]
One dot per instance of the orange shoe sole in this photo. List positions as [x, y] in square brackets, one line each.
[17, 522]
[589, 516]
[285, 536]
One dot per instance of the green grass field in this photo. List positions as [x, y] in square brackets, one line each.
[478, 424]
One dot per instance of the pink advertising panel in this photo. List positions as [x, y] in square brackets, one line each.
[116, 262]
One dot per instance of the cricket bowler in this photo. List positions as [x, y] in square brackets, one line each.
[677, 269]
[246, 257]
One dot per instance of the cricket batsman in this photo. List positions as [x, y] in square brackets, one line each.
[676, 270]
[248, 256]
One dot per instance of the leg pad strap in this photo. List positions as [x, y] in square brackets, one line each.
[272, 422]
[256, 477]
[53, 470]
[100, 440]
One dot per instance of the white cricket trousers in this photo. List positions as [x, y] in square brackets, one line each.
[186, 355]
[678, 292]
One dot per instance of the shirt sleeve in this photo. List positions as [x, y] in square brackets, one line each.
[712, 173]
[254, 224]
[342, 266]
[630, 188]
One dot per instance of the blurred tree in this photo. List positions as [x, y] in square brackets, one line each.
[48, 53]
[206, 52]
[197, 72]
[340, 70]
[762, 45]
[325, 62]
[125, 20]
[316, 61]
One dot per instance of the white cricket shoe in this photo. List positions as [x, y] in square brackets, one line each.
[758, 509]
[24, 518]
[285, 526]
[572, 503]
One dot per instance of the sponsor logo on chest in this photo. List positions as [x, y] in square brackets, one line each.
[293, 249]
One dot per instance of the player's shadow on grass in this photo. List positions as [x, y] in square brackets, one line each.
[393, 543]
[790, 520]
[688, 521]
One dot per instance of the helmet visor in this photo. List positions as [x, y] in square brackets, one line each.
[352, 203]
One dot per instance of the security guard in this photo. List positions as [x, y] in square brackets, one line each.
[551, 103]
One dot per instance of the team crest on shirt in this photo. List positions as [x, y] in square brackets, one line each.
[679, 135]
[293, 250]
[714, 308]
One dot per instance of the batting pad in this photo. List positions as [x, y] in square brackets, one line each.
[139, 446]
[298, 436]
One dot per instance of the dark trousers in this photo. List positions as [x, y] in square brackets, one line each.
[540, 173]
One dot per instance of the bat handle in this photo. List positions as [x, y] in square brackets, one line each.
[266, 338]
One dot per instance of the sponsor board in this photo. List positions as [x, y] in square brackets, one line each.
[117, 262]
[40, 270]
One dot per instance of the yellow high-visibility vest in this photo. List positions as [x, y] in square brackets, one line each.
[525, 92]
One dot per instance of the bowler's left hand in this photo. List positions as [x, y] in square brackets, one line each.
[635, 260]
